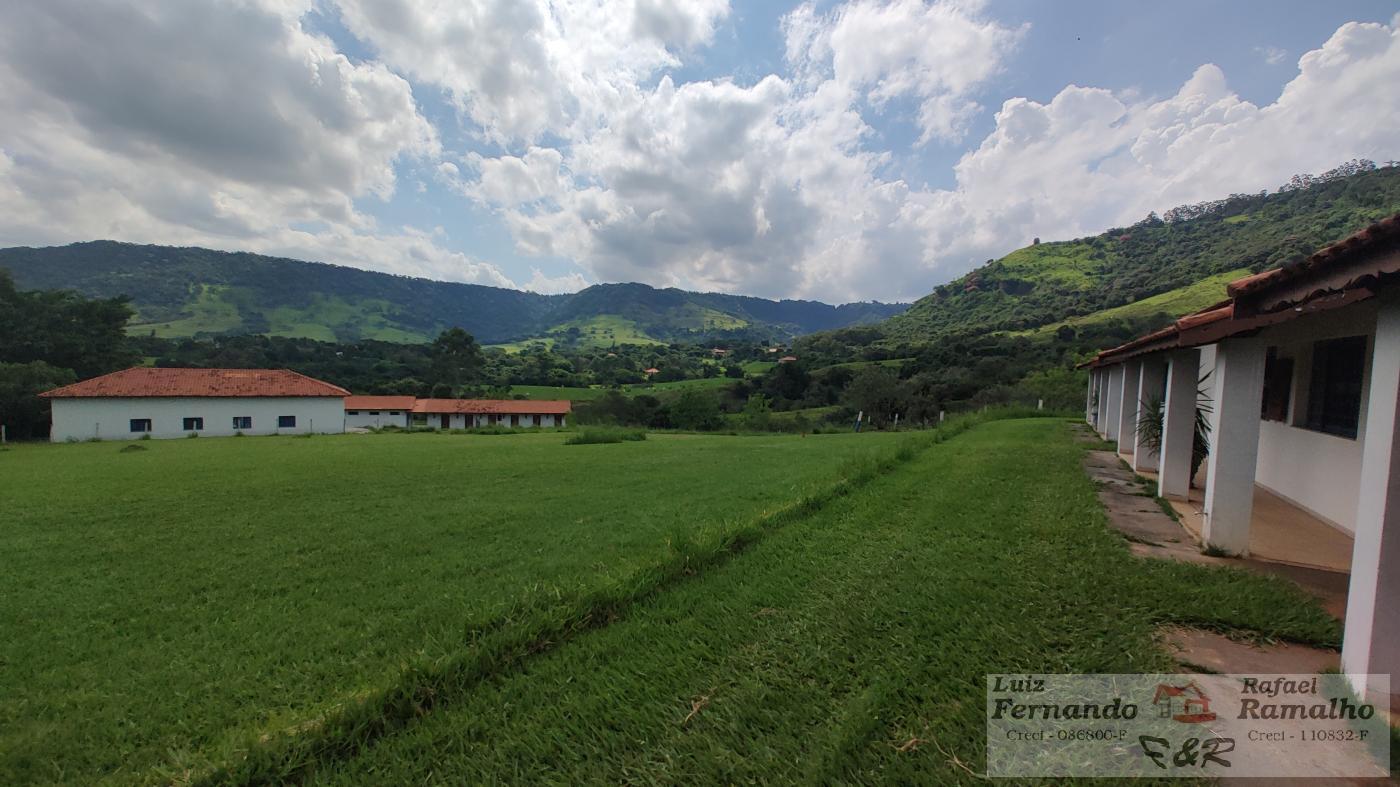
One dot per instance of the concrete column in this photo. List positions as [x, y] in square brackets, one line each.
[1234, 450]
[1128, 406]
[1089, 399]
[1150, 382]
[1372, 640]
[1099, 404]
[1179, 425]
[1109, 416]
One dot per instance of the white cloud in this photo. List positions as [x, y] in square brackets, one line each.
[1272, 55]
[231, 125]
[1087, 160]
[938, 53]
[225, 125]
[762, 188]
[773, 189]
[521, 69]
[554, 285]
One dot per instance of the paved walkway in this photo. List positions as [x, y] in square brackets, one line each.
[1154, 534]
[1279, 531]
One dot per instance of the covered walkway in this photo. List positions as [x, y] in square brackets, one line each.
[1287, 396]
[1279, 531]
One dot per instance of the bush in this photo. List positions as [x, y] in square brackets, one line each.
[594, 436]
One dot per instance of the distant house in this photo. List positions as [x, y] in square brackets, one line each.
[718, 352]
[652, 371]
[787, 359]
[472, 413]
[144, 401]
[377, 412]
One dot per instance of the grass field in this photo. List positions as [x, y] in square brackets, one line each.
[417, 608]
[550, 392]
[158, 602]
[589, 394]
[848, 647]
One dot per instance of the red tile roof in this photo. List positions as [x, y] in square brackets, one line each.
[496, 406]
[379, 402]
[1382, 236]
[143, 381]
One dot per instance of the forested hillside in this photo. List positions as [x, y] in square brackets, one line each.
[185, 292]
[1048, 282]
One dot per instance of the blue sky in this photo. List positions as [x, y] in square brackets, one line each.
[835, 150]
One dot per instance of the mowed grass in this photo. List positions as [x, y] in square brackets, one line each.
[847, 647]
[160, 602]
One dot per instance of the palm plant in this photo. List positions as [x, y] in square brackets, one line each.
[1149, 427]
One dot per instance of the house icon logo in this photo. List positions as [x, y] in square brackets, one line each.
[1186, 704]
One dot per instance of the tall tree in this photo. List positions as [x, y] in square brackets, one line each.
[457, 358]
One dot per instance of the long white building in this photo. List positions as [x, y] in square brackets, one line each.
[1298, 375]
[163, 403]
[377, 412]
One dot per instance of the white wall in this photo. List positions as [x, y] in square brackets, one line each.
[460, 421]
[365, 419]
[109, 418]
[1315, 471]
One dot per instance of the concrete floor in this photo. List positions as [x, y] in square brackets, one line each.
[1279, 531]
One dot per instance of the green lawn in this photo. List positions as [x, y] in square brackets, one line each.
[848, 646]
[387, 609]
[589, 394]
[558, 392]
[160, 602]
[701, 383]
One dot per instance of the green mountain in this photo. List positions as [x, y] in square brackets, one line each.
[1160, 267]
[179, 292]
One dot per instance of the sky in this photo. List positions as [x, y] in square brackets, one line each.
[838, 151]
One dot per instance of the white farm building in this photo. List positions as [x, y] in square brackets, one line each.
[377, 412]
[1296, 374]
[476, 413]
[143, 401]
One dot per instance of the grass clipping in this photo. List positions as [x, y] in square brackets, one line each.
[534, 624]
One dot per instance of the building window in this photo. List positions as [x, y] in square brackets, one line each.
[243, 422]
[140, 424]
[393, 412]
[1278, 386]
[194, 424]
[352, 412]
[1334, 390]
[286, 422]
[374, 412]
[537, 420]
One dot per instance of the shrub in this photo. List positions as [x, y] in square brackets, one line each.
[593, 436]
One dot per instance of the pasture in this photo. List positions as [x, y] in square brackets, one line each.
[846, 647]
[163, 597]
[418, 608]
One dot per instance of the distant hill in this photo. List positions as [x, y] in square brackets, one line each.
[1162, 266]
[180, 292]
